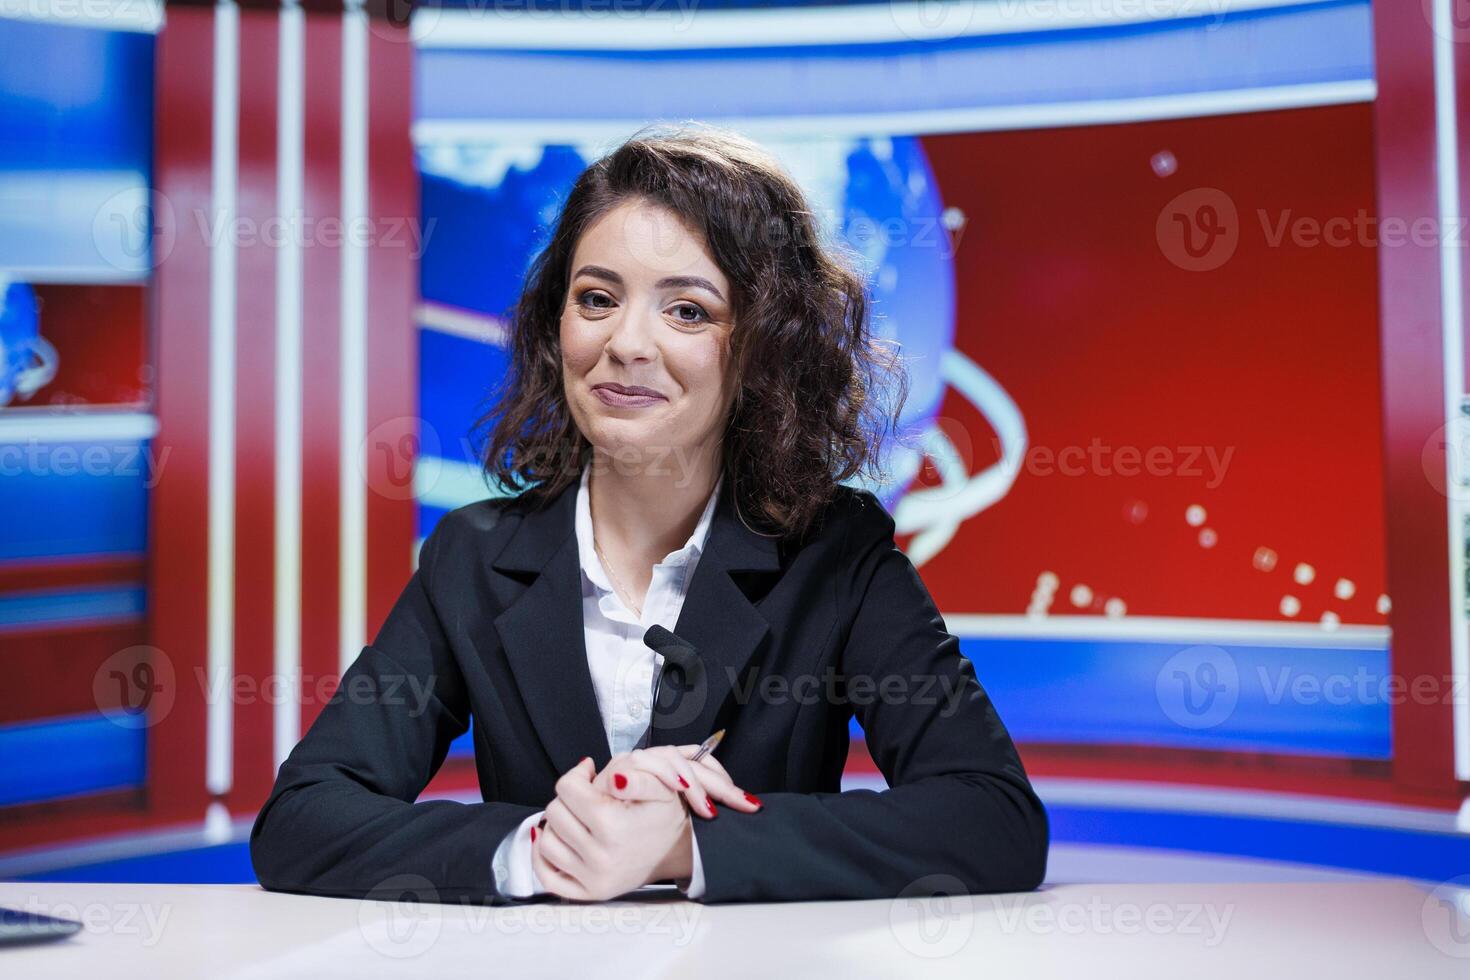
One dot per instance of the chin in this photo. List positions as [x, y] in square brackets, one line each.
[612, 435]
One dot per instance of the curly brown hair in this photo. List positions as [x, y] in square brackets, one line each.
[817, 394]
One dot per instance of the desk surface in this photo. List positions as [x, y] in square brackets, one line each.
[1379, 928]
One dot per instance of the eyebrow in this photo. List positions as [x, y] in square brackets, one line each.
[667, 282]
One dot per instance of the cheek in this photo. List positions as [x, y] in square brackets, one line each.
[703, 367]
[579, 349]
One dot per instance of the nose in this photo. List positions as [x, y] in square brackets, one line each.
[631, 339]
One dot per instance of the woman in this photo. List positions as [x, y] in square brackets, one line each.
[693, 378]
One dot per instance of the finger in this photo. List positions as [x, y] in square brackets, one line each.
[581, 774]
[584, 802]
[718, 783]
[635, 784]
[690, 751]
[568, 827]
[717, 786]
[675, 772]
[548, 871]
[655, 762]
[555, 880]
[603, 780]
[562, 857]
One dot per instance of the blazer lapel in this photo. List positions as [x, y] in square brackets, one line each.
[542, 629]
[720, 622]
[541, 632]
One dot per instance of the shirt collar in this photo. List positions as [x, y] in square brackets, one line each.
[587, 552]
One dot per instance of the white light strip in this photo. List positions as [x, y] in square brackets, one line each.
[449, 483]
[219, 772]
[352, 556]
[141, 16]
[929, 121]
[1126, 794]
[290, 181]
[469, 324]
[119, 847]
[45, 425]
[684, 27]
[77, 275]
[1166, 628]
[1451, 295]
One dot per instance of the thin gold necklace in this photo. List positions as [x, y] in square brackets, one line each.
[626, 593]
[618, 586]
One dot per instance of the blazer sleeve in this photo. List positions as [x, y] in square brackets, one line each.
[959, 815]
[342, 817]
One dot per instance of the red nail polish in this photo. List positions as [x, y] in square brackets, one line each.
[752, 798]
[620, 781]
[683, 783]
[711, 804]
[533, 835]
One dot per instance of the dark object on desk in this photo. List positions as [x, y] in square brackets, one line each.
[17, 927]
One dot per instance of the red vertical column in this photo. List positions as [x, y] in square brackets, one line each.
[321, 363]
[178, 504]
[393, 428]
[257, 240]
[1417, 522]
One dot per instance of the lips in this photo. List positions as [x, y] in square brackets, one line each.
[627, 389]
[626, 396]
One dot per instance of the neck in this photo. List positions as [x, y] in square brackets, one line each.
[645, 512]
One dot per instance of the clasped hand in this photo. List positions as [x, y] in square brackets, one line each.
[609, 832]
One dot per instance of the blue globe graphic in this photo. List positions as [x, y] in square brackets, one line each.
[894, 218]
[20, 340]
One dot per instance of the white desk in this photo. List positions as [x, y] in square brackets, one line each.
[1373, 929]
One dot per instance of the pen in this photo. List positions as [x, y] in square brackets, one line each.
[708, 746]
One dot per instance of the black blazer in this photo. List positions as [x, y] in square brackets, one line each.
[795, 636]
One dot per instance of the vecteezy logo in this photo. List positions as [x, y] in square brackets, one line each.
[1455, 25]
[931, 20]
[401, 917]
[1198, 687]
[1199, 230]
[1445, 916]
[401, 458]
[407, 21]
[135, 229]
[1446, 456]
[134, 688]
[933, 917]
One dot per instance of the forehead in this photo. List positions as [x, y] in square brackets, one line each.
[639, 239]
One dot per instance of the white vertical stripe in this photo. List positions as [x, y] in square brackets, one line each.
[1453, 331]
[353, 549]
[219, 753]
[290, 180]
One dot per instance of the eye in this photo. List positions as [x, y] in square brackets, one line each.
[689, 313]
[595, 299]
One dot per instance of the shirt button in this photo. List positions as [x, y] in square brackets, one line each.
[635, 710]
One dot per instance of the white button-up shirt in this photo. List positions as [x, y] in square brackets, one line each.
[622, 666]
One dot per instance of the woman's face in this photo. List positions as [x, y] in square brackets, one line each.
[644, 337]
